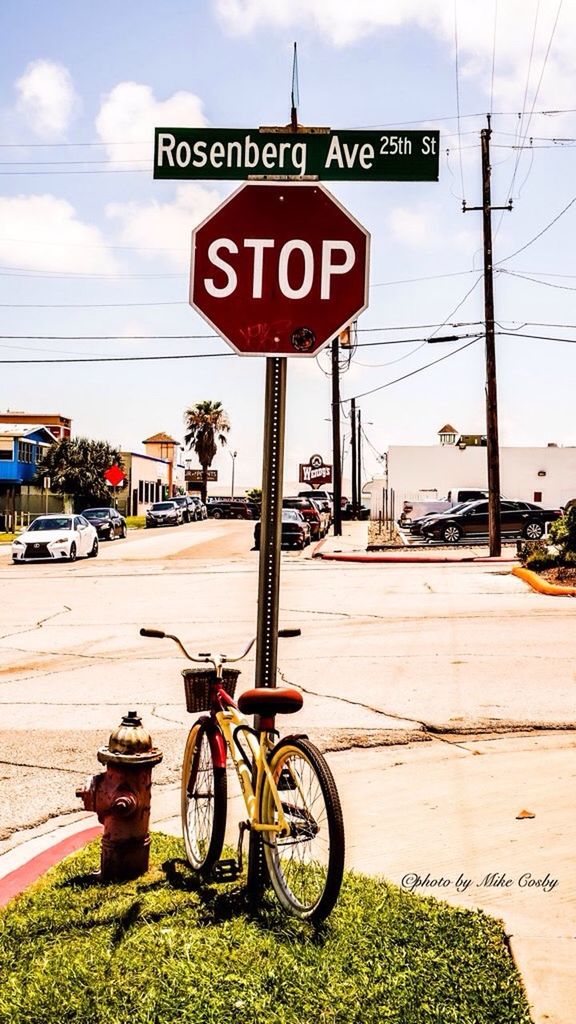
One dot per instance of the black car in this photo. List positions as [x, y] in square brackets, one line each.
[107, 522]
[232, 510]
[295, 530]
[517, 519]
[187, 505]
[362, 511]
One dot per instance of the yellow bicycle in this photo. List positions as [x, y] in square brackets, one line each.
[288, 789]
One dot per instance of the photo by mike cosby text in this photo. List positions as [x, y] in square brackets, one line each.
[412, 881]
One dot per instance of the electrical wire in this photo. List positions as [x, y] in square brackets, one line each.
[539, 235]
[535, 280]
[413, 372]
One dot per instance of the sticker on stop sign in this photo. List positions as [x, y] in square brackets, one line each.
[279, 269]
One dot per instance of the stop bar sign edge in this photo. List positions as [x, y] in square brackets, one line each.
[279, 268]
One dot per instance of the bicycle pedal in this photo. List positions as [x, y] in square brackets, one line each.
[226, 870]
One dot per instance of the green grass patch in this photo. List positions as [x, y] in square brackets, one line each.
[170, 949]
[135, 522]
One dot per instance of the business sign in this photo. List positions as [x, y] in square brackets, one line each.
[279, 269]
[315, 472]
[230, 153]
[195, 475]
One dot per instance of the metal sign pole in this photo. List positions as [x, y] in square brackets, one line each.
[271, 522]
[269, 569]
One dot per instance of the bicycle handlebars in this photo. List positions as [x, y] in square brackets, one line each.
[159, 634]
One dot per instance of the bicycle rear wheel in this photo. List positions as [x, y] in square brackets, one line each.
[306, 866]
[203, 801]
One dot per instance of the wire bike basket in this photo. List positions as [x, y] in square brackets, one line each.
[199, 684]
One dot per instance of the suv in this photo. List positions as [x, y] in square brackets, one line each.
[164, 513]
[187, 505]
[319, 495]
[310, 512]
[232, 510]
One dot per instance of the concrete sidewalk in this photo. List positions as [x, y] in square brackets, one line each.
[441, 818]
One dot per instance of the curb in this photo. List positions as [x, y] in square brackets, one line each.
[537, 583]
[415, 559]
[16, 881]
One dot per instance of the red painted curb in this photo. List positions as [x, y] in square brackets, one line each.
[415, 559]
[18, 880]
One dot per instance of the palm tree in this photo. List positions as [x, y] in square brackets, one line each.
[206, 426]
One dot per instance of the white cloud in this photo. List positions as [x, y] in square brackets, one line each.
[165, 226]
[43, 232]
[131, 112]
[343, 23]
[46, 98]
[422, 228]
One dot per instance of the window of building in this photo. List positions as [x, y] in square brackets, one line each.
[537, 496]
[6, 449]
[25, 452]
[140, 490]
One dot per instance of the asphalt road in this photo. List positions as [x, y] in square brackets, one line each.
[387, 653]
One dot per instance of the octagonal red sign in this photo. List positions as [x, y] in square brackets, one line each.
[279, 268]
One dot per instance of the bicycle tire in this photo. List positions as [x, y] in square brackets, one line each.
[203, 801]
[306, 867]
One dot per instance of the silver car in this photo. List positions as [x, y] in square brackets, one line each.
[164, 513]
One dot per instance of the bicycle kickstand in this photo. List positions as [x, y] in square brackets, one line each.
[228, 870]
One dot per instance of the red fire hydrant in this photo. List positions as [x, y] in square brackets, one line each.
[120, 796]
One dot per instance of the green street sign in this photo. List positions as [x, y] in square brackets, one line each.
[239, 153]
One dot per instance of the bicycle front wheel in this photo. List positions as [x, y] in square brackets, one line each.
[203, 802]
[305, 866]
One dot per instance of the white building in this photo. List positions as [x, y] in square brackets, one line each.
[419, 472]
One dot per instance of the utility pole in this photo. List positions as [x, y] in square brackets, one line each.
[493, 454]
[336, 464]
[359, 460]
[353, 452]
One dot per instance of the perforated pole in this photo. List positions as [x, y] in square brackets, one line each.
[271, 522]
[269, 569]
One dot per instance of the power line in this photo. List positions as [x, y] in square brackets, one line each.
[539, 235]
[414, 372]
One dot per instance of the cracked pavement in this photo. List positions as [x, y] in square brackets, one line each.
[388, 654]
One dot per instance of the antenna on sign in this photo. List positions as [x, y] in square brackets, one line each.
[295, 96]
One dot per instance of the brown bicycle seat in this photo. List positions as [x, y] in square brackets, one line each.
[267, 700]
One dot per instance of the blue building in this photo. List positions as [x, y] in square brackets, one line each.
[21, 448]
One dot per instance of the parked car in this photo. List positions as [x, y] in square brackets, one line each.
[56, 537]
[107, 522]
[164, 513]
[362, 511]
[200, 510]
[308, 509]
[319, 495]
[412, 510]
[414, 526]
[295, 530]
[325, 515]
[232, 510]
[187, 505]
[517, 519]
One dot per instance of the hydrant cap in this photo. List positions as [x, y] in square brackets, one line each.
[130, 737]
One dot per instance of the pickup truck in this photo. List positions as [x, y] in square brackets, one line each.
[412, 510]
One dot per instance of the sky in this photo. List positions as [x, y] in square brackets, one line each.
[94, 253]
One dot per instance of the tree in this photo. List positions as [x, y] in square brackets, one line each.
[76, 467]
[206, 426]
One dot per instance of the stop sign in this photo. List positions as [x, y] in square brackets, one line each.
[279, 269]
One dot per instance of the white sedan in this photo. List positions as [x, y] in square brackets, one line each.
[55, 538]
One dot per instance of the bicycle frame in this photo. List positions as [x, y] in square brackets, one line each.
[229, 720]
